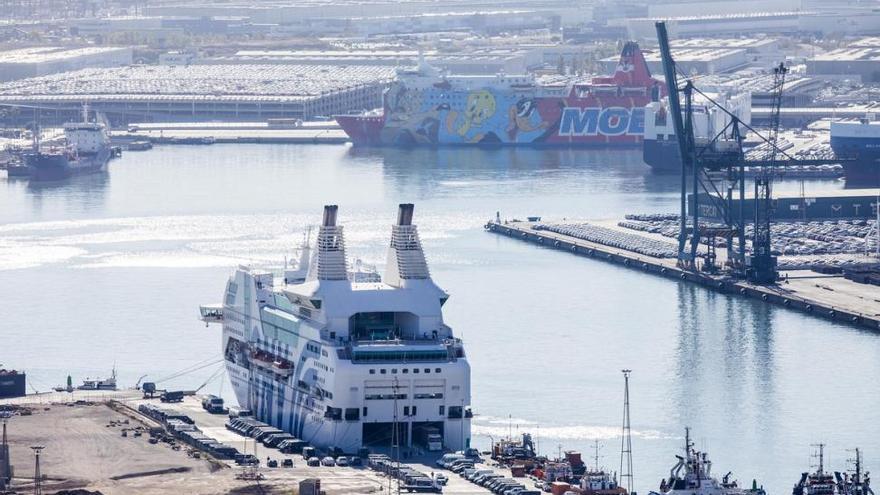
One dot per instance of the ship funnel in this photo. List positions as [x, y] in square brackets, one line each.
[329, 257]
[405, 214]
[406, 260]
[330, 215]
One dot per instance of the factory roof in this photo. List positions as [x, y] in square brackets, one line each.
[199, 81]
[42, 54]
[390, 56]
[850, 55]
[750, 43]
[866, 42]
[693, 54]
[725, 17]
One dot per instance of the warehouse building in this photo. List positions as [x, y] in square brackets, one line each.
[690, 60]
[854, 61]
[483, 60]
[43, 60]
[204, 92]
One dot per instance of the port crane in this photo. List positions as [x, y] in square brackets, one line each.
[718, 178]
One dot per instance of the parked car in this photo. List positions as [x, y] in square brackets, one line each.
[342, 461]
[313, 461]
[288, 463]
[328, 461]
[441, 478]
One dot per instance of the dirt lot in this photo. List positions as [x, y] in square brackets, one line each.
[82, 451]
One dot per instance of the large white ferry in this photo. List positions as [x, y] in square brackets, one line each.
[338, 362]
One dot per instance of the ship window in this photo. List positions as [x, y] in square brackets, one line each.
[352, 414]
[406, 410]
[442, 410]
[382, 371]
[393, 371]
[365, 411]
[372, 372]
[415, 370]
[413, 410]
[405, 371]
[436, 370]
[427, 370]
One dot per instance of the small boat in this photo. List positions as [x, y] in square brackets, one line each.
[99, 383]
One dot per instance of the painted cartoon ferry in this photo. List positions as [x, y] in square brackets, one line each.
[426, 107]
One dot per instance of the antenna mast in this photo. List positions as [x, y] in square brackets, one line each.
[626, 463]
[38, 477]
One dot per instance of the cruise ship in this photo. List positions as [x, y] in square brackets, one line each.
[425, 106]
[339, 362]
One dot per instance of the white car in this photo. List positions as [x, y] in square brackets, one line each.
[328, 461]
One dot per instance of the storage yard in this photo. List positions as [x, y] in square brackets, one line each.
[202, 92]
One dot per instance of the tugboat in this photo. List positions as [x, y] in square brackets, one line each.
[597, 481]
[857, 482]
[692, 475]
[820, 482]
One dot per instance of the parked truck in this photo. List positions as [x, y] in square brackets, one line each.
[172, 396]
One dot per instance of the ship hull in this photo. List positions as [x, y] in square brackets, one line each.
[58, 166]
[12, 385]
[663, 156]
[537, 122]
[864, 167]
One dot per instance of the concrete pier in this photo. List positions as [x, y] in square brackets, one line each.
[827, 296]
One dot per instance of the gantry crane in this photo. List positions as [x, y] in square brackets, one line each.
[725, 158]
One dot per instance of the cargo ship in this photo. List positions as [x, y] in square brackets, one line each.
[858, 140]
[424, 106]
[342, 363]
[660, 147]
[12, 383]
[85, 149]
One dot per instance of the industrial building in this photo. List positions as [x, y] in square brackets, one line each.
[204, 92]
[844, 203]
[43, 60]
[862, 62]
[487, 60]
[691, 60]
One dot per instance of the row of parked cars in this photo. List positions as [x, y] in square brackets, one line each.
[266, 434]
[183, 428]
[464, 466]
[275, 438]
[410, 479]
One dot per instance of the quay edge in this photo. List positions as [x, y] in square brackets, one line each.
[666, 268]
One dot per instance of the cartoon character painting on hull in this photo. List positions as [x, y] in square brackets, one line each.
[425, 107]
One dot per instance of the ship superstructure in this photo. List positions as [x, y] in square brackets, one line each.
[660, 147]
[425, 106]
[339, 363]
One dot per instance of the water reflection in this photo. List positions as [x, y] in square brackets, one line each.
[79, 193]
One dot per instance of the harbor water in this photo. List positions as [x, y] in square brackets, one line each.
[111, 268]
